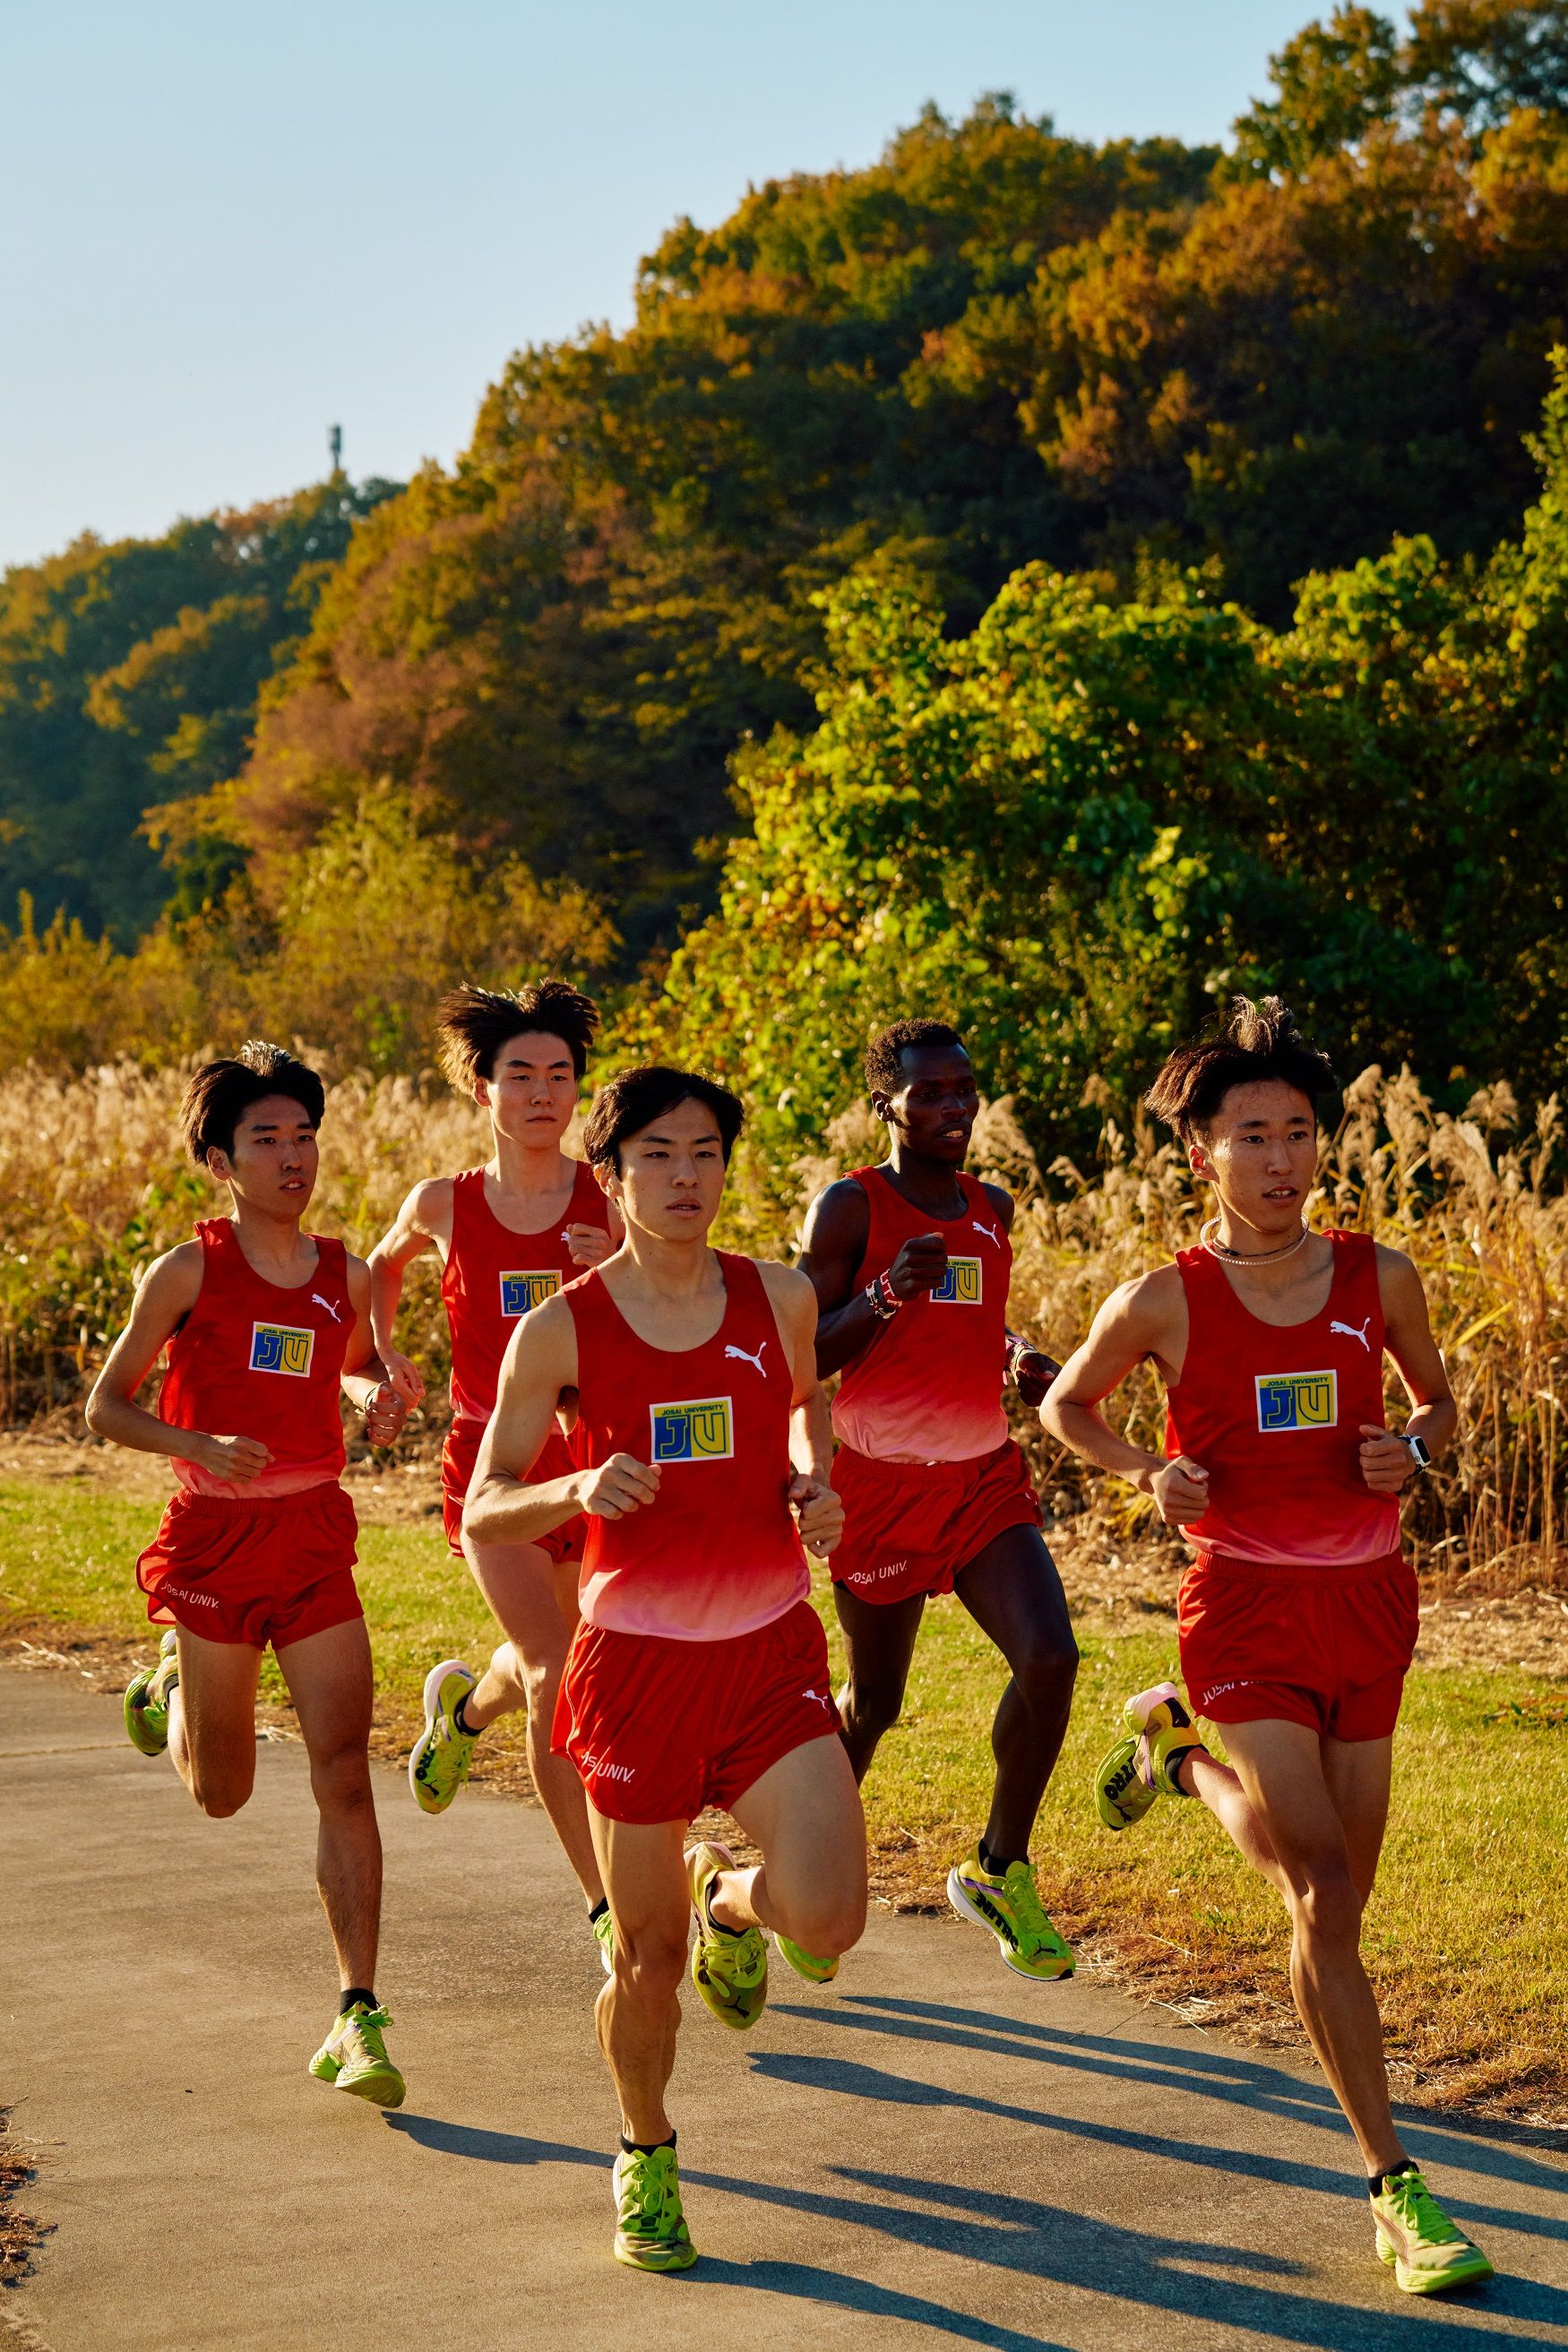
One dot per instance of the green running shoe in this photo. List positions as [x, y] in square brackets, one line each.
[439, 1762]
[806, 1964]
[1009, 1905]
[729, 1965]
[1427, 2252]
[147, 1699]
[354, 2057]
[603, 1928]
[1142, 1765]
[650, 2228]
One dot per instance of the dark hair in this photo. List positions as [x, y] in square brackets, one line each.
[1252, 1042]
[220, 1093]
[633, 1099]
[884, 1067]
[472, 1025]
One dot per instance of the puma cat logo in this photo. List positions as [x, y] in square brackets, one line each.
[317, 1300]
[1352, 1333]
[990, 1231]
[756, 1360]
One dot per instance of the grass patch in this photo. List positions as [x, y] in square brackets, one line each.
[1466, 1938]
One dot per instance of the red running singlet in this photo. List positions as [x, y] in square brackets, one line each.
[1274, 1413]
[252, 1359]
[492, 1277]
[928, 1385]
[716, 1553]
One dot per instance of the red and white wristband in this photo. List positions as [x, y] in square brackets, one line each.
[882, 1299]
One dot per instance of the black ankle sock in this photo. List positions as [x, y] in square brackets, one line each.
[995, 1863]
[598, 1910]
[1377, 2181]
[461, 1718]
[643, 2147]
[355, 1993]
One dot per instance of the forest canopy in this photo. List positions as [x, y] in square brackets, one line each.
[1115, 547]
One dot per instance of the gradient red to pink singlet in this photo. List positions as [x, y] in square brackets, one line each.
[251, 1359]
[928, 1387]
[1274, 1415]
[492, 1277]
[716, 1553]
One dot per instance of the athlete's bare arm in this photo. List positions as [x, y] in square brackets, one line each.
[1145, 1320]
[365, 1380]
[423, 1222]
[165, 1297]
[819, 1514]
[538, 1378]
[1386, 1464]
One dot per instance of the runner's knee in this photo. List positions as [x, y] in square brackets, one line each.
[341, 1780]
[873, 1707]
[649, 1965]
[1047, 1668]
[827, 1923]
[1326, 1904]
[220, 1791]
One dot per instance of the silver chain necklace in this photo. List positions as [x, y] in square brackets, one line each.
[1246, 1257]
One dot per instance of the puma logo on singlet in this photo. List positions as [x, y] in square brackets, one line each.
[1352, 1333]
[317, 1300]
[746, 1358]
[990, 1231]
[818, 1696]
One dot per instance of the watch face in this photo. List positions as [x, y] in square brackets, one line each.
[1418, 1449]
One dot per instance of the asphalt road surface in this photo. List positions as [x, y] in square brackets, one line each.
[932, 2146]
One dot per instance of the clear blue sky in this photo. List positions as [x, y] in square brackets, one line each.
[228, 226]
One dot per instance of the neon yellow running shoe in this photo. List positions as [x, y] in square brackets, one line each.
[1142, 1765]
[354, 2057]
[650, 2228]
[729, 1965]
[1427, 2251]
[1008, 1903]
[147, 1699]
[603, 1928]
[806, 1964]
[438, 1761]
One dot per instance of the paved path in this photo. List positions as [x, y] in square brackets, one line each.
[936, 2148]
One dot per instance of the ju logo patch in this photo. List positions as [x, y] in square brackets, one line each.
[279, 1348]
[699, 1431]
[1297, 1401]
[518, 1292]
[961, 1286]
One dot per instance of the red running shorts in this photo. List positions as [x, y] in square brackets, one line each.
[911, 1526]
[458, 1456]
[1327, 1647]
[276, 1568]
[660, 1729]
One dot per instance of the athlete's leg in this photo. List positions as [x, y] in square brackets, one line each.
[534, 1600]
[1359, 1773]
[1282, 1768]
[1214, 1785]
[805, 1813]
[211, 1721]
[329, 1682]
[638, 2011]
[879, 1640]
[1012, 1591]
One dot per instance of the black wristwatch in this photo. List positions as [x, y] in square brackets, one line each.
[1417, 1449]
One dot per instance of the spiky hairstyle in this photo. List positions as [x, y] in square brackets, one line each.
[220, 1093]
[633, 1099]
[884, 1068]
[1252, 1042]
[472, 1025]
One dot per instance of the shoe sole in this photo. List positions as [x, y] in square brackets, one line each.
[1102, 1773]
[967, 1909]
[1425, 2283]
[380, 2090]
[682, 2259]
[807, 1976]
[430, 1700]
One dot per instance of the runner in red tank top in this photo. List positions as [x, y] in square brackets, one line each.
[911, 1262]
[699, 1675]
[263, 1324]
[1296, 1617]
[508, 1234]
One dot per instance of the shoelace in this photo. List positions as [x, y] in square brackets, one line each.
[1419, 2210]
[1027, 1909]
[650, 2187]
[370, 2024]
